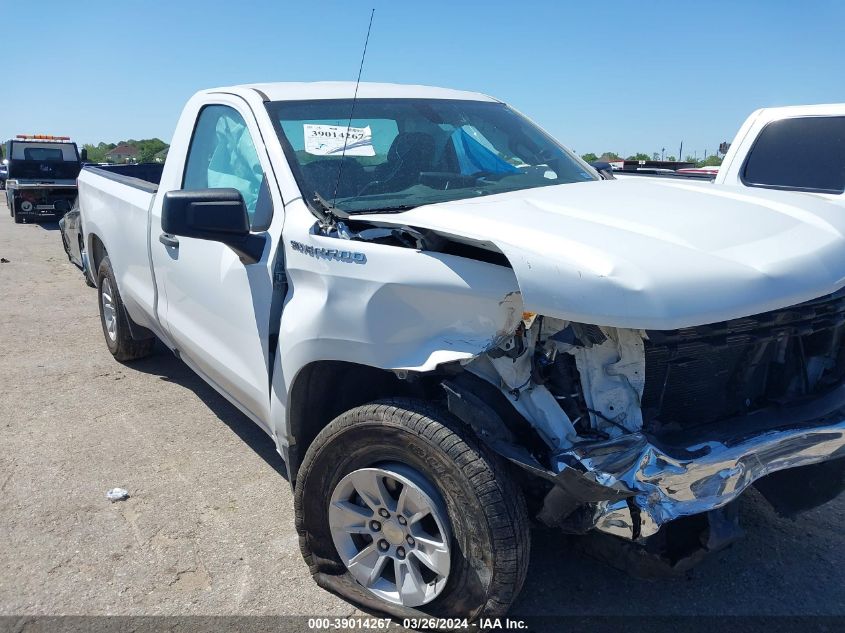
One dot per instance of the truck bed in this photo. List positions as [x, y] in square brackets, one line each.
[114, 202]
[144, 176]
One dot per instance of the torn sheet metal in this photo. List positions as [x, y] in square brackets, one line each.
[612, 376]
[663, 484]
[510, 371]
[534, 402]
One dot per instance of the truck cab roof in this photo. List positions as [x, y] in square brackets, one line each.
[303, 91]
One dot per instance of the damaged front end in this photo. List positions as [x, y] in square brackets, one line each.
[634, 433]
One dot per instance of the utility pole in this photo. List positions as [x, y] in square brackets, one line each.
[681, 152]
[662, 152]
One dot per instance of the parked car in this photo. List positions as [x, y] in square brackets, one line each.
[4, 174]
[699, 171]
[41, 183]
[450, 325]
[796, 148]
[70, 228]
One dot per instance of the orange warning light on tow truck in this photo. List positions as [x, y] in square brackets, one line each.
[42, 137]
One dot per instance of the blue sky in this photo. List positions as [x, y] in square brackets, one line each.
[599, 75]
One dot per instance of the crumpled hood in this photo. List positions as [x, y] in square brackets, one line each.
[651, 254]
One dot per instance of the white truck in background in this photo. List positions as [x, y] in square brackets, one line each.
[451, 326]
[794, 148]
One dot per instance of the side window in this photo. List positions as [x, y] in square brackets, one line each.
[222, 155]
[801, 154]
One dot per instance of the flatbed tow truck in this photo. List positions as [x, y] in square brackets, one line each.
[41, 183]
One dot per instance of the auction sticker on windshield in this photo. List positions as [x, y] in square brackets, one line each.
[328, 140]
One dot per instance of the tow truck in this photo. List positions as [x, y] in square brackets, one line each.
[41, 183]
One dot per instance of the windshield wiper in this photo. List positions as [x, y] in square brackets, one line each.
[393, 209]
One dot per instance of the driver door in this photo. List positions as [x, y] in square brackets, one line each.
[217, 309]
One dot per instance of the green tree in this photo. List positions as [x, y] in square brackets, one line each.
[671, 159]
[97, 153]
[589, 157]
[610, 156]
[638, 156]
[710, 161]
[147, 149]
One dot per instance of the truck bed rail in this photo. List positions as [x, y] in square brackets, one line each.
[144, 176]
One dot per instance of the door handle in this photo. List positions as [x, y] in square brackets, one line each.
[168, 240]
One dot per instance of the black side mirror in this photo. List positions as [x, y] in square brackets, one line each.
[218, 215]
[83, 155]
[604, 168]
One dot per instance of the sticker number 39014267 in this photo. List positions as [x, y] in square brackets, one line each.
[329, 140]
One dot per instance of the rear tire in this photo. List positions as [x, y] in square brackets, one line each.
[114, 319]
[487, 526]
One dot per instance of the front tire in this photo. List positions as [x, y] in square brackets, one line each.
[114, 319]
[462, 524]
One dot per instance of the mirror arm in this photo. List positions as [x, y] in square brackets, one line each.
[248, 247]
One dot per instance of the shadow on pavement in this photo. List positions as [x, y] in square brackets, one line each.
[166, 366]
[47, 226]
[768, 572]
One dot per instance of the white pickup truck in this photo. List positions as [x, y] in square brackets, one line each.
[451, 326]
[794, 148]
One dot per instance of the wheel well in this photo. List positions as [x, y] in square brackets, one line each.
[325, 389]
[96, 254]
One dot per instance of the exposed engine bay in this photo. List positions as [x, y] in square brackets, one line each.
[640, 428]
[613, 381]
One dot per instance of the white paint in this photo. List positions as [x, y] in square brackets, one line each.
[649, 254]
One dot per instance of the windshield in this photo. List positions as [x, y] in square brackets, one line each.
[403, 153]
[46, 161]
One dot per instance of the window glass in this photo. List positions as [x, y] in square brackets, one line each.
[403, 153]
[801, 154]
[222, 155]
[30, 150]
[42, 153]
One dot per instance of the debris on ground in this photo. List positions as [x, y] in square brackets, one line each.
[117, 494]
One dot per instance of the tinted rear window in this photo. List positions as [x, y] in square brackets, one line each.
[42, 153]
[801, 154]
